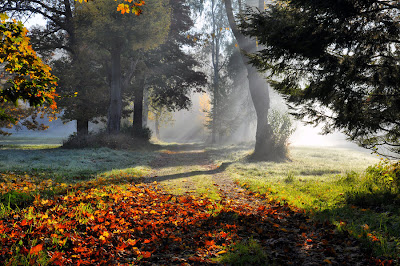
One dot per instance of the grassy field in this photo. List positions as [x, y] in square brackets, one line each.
[328, 183]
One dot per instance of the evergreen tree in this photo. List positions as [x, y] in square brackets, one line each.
[335, 62]
[172, 74]
[122, 35]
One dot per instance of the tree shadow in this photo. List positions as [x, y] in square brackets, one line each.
[217, 170]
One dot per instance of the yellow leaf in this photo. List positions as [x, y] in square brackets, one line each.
[3, 17]
[221, 252]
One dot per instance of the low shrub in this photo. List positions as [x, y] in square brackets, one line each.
[102, 139]
[282, 129]
[379, 188]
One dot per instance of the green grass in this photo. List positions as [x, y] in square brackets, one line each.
[330, 184]
[247, 252]
[71, 165]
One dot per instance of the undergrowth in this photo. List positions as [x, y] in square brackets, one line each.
[137, 140]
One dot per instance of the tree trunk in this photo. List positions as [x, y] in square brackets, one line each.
[215, 65]
[115, 108]
[138, 107]
[145, 107]
[157, 125]
[258, 91]
[82, 127]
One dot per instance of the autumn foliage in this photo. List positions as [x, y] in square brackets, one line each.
[111, 221]
[127, 6]
[23, 74]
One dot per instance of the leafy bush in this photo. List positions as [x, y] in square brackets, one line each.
[142, 133]
[379, 187]
[384, 176]
[282, 128]
[102, 139]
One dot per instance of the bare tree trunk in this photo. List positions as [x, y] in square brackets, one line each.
[215, 64]
[145, 107]
[258, 91]
[82, 127]
[157, 124]
[138, 107]
[115, 108]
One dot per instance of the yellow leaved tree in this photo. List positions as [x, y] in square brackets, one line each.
[23, 75]
[126, 6]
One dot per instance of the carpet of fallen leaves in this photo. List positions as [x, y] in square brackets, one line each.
[142, 224]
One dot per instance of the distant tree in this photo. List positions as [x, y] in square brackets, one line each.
[83, 88]
[161, 116]
[218, 37]
[172, 74]
[119, 36]
[335, 62]
[23, 75]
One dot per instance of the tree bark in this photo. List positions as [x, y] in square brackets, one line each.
[82, 127]
[138, 107]
[145, 107]
[258, 91]
[157, 124]
[215, 64]
[115, 108]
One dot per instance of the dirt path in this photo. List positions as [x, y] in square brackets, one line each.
[284, 232]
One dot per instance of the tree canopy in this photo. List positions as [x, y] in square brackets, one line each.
[23, 74]
[335, 62]
[127, 6]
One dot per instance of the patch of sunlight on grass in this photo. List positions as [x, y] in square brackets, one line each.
[308, 164]
[199, 184]
[317, 180]
[138, 171]
[204, 185]
[29, 146]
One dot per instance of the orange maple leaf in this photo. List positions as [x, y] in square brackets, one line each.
[146, 254]
[36, 249]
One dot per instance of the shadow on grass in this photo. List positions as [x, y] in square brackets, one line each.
[217, 170]
[377, 226]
